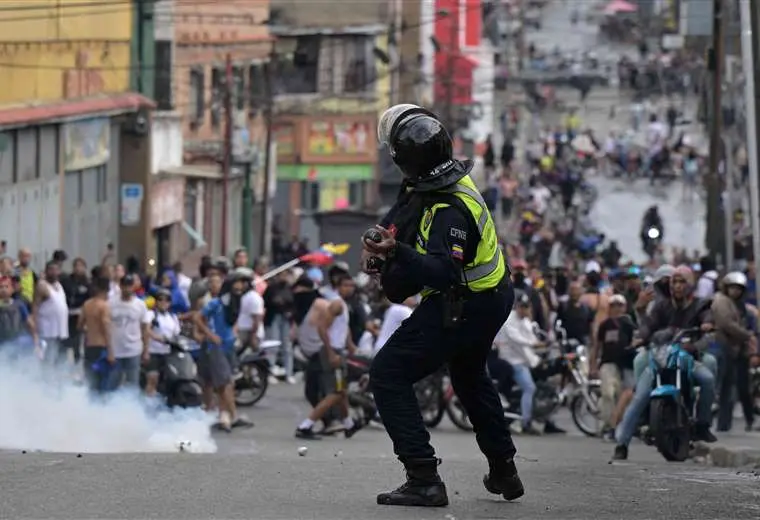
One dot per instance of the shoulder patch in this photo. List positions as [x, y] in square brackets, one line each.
[427, 218]
[457, 252]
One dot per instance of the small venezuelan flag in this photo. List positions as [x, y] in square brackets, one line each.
[457, 252]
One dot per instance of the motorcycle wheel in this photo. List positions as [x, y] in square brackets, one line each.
[671, 439]
[457, 414]
[579, 407]
[251, 386]
[429, 393]
[187, 395]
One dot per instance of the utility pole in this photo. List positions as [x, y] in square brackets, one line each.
[450, 64]
[227, 159]
[750, 17]
[266, 219]
[715, 230]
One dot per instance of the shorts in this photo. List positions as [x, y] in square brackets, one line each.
[247, 339]
[215, 366]
[333, 379]
[156, 363]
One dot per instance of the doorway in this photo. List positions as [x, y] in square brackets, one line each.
[162, 246]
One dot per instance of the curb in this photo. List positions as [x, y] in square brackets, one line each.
[726, 457]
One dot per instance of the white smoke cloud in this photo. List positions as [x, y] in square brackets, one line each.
[45, 411]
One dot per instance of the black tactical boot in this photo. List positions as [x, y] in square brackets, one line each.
[423, 486]
[502, 479]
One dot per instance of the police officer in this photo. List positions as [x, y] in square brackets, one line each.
[439, 239]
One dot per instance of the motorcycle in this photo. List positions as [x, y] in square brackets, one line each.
[652, 241]
[546, 400]
[252, 378]
[673, 397]
[586, 394]
[360, 398]
[178, 381]
[430, 393]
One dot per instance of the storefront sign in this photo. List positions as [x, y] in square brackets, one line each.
[167, 202]
[131, 204]
[86, 143]
[339, 138]
[325, 172]
[285, 137]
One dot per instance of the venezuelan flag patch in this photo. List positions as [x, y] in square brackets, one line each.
[457, 252]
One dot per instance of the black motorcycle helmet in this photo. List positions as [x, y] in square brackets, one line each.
[421, 147]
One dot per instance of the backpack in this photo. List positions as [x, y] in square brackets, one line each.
[10, 321]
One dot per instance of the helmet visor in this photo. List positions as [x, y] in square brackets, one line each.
[388, 119]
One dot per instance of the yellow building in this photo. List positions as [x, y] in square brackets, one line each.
[74, 144]
[63, 49]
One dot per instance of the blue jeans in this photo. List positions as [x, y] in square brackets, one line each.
[524, 380]
[279, 330]
[702, 377]
[126, 369]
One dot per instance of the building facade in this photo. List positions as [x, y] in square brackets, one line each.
[72, 138]
[334, 73]
[193, 44]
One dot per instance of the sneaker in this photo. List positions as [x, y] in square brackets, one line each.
[224, 424]
[273, 380]
[350, 432]
[332, 428]
[529, 429]
[551, 428]
[308, 434]
[704, 434]
[621, 452]
[291, 380]
[277, 371]
[242, 422]
[608, 435]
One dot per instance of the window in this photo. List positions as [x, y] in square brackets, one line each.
[238, 77]
[191, 205]
[360, 70]
[27, 154]
[356, 194]
[310, 196]
[297, 71]
[217, 96]
[163, 78]
[7, 157]
[257, 88]
[197, 95]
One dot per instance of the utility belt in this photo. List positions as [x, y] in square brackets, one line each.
[456, 296]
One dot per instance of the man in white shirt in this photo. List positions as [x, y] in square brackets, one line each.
[516, 341]
[51, 314]
[392, 319]
[164, 325]
[250, 329]
[184, 282]
[130, 327]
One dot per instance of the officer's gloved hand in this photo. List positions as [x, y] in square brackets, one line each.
[372, 263]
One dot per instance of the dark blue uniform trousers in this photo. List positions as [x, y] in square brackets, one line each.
[419, 348]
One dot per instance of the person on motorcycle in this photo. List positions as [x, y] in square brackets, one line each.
[737, 343]
[516, 342]
[682, 311]
[164, 325]
[651, 220]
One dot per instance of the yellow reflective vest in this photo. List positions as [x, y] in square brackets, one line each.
[488, 267]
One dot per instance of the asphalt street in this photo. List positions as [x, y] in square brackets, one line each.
[621, 204]
[259, 474]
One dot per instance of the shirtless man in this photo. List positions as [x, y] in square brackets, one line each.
[595, 299]
[95, 321]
